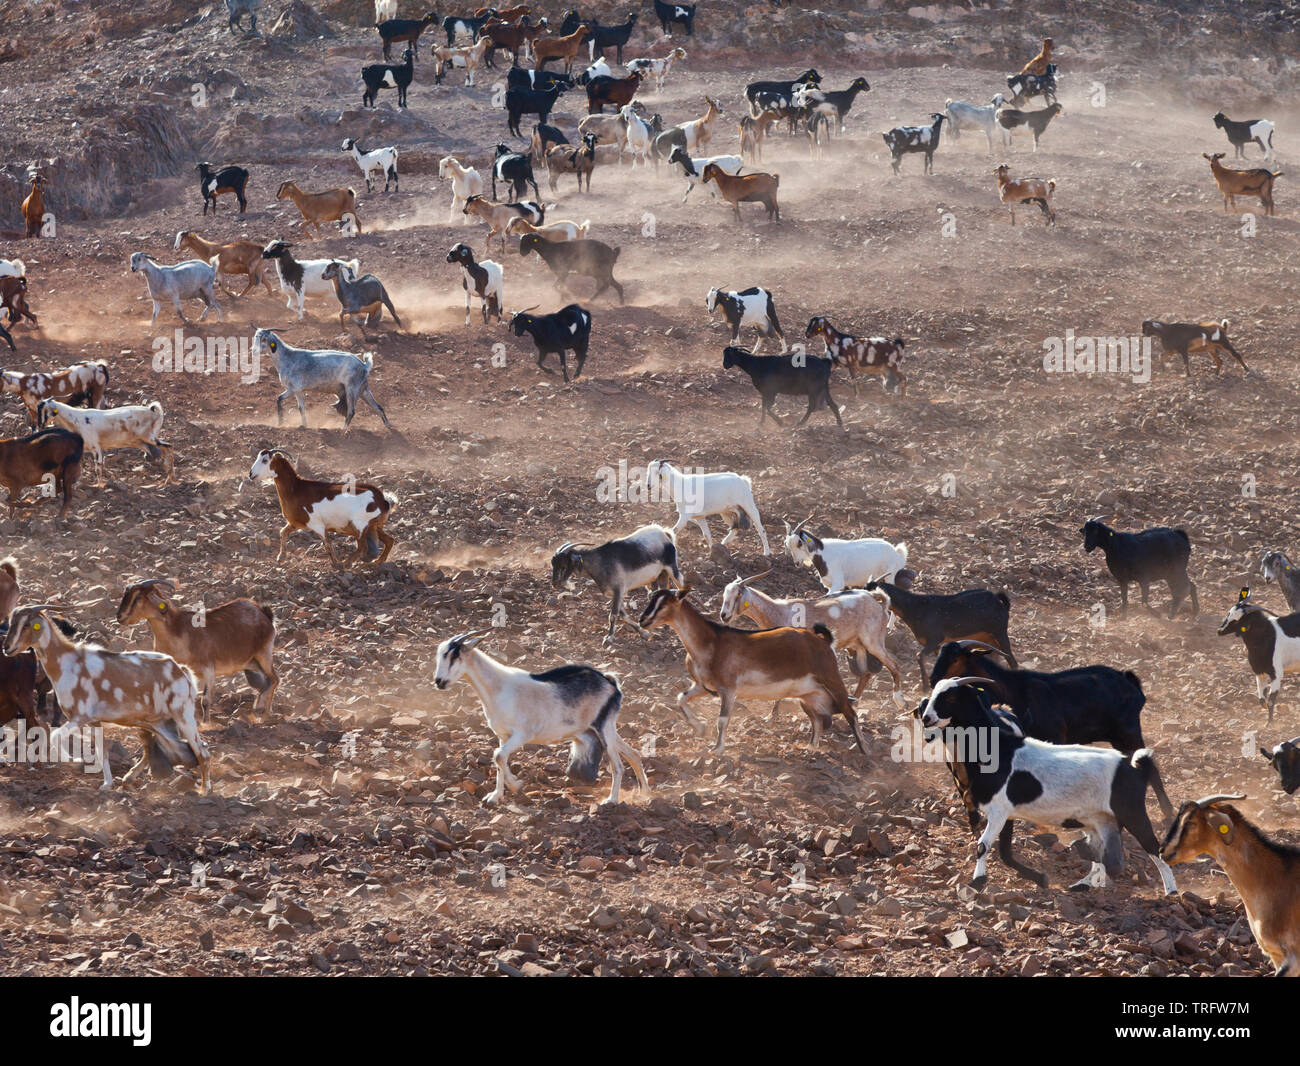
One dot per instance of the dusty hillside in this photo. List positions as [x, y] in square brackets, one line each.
[345, 833]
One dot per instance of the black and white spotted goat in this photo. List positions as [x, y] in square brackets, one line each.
[620, 566]
[1275, 566]
[484, 279]
[904, 140]
[1272, 645]
[1285, 759]
[1012, 776]
[748, 307]
[572, 703]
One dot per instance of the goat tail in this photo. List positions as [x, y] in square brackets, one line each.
[212, 262]
[1005, 600]
[1144, 762]
[389, 304]
[825, 633]
[1051, 185]
[369, 360]
[270, 614]
[156, 407]
[585, 228]
[1223, 325]
[901, 548]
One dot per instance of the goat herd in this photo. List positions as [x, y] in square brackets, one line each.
[1043, 725]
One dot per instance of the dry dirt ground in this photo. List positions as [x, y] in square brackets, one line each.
[316, 852]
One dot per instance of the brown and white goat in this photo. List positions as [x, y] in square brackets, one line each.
[470, 57]
[1233, 183]
[332, 205]
[770, 664]
[559, 230]
[1265, 872]
[237, 257]
[237, 636]
[870, 355]
[496, 215]
[857, 620]
[141, 690]
[81, 383]
[1025, 191]
[699, 131]
[355, 509]
[737, 189]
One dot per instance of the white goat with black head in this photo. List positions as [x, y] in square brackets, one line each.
[844, 564]
[619, 566]
[572, 703]
[699, 496]
[1272, 645]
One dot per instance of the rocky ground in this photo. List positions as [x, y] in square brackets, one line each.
[345, 832]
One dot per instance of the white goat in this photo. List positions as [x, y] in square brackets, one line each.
[190, 280]
[693, 169]
[572, 703]
[112, 429]
[964, 116]
[383, 160]
[465, 182]
[385, 10]
[845, 563]
[12, 268]
[599, 69]
[698, 496]
[639, 134]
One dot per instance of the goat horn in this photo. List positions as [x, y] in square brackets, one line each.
[971, 680]
[804, 522]
[747, 580]
[1203, 803]
[171, 587]
[981, 645]
[40, 607]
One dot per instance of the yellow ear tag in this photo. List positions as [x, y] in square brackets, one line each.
[1243, 629]
[36, 625]
[1224, 830]
[162, 606]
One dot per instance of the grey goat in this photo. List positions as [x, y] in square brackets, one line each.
[307, 369]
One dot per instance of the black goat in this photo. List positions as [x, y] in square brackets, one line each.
[840, 101]
[568, 329]
[572, 20]
[594, 259]
[544, 139]
[1158, 554]
[388, 76]
[455, 24]
[515, 168]
[1285, 759]
[779, 91]
[619, 566]
[1037, 121]
[539, 102]
[538, 80]
[795, 374]
[603, 37]
[1275, 566]
[1252, 131]
[217, 182]
[1082, 705]
[936, 618]
[393, 31]
[682, 14]
[902, 140]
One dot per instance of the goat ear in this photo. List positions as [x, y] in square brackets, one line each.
[1221, 824]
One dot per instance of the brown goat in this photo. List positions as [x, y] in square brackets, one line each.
[1233, 183]
[237, 257]
[767, 664]
[746, 188]
[237, 636]
[48, 458]
[1038, 65]
[332, 205]
[564, 48]
[1265, 872]
[34, 208]
[13, 298]
[614, 91]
